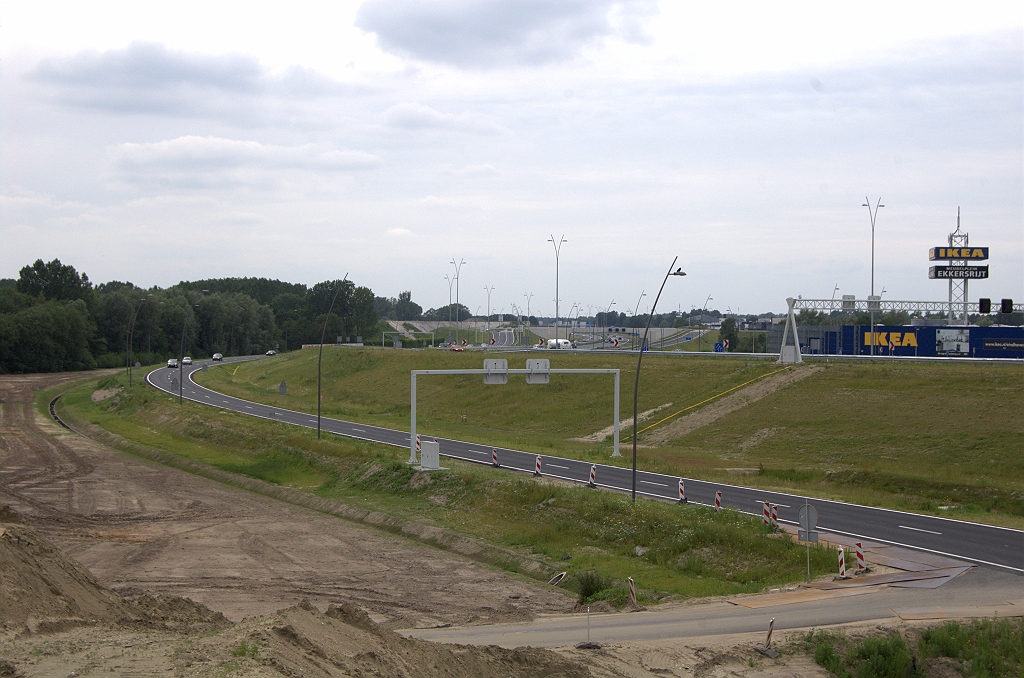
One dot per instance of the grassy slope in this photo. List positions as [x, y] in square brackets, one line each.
[917, 436]
[693, 551]
[907, 435]
[372, 386]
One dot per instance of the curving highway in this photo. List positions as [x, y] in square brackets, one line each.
[981, 544]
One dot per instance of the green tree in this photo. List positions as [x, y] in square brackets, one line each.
[55, 281]
[729, 333]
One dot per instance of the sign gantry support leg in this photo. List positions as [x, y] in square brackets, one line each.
[793, 355]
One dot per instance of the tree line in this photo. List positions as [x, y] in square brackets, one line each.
[52, 318]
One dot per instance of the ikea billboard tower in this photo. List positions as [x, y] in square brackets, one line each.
[959, 271]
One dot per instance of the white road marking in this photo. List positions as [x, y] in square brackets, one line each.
[557, 466]
[918, 529]
[648, 482]
[758, 501]
[359, 430]
[248, 407]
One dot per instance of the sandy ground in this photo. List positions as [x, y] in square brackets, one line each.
[729, 404]
[272, 568]
[141, 527]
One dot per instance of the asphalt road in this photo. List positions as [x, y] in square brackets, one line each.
[981, 592]
[972, 542]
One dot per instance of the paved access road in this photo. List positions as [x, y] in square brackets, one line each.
[973, 542]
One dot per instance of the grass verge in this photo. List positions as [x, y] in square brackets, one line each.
[989, 648]
[937, 438]
[686, 551]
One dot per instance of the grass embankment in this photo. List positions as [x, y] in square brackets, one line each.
[372, 386]
[692, 551]
[934, 438]
[992, 648]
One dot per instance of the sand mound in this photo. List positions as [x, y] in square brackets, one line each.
[345, 641]
[44, 591]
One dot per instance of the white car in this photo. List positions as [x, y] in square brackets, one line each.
[187, 360]
[172, 363]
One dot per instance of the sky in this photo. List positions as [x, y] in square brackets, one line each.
[157, 142]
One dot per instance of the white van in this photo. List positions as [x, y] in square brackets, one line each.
[559, 343]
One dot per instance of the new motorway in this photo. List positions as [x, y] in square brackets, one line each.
[981, 544]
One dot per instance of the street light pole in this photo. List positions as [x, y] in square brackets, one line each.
[640, 357]
[320, 356]
[458, 267]
[700, 322]
[488, 290]
[558, 249]
[450, 281]
[528, 298]
[871, 301]
[130, 336]
[635, 310]
[181, 358]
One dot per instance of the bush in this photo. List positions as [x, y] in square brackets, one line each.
[590, 582]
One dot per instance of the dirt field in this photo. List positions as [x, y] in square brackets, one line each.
[273, 569]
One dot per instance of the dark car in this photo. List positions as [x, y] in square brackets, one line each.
[218, 356]
[271, 352]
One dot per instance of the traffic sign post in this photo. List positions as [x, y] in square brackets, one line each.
[808, 521]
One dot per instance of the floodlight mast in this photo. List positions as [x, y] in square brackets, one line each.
[871, 304]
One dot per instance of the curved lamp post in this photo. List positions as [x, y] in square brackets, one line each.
[321, 354]
[636, 384]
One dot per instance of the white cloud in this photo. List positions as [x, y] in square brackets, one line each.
[416, 116]
[399, 231]
[488, 33]
[212, 161]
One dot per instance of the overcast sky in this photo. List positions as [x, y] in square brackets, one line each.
[159, 142]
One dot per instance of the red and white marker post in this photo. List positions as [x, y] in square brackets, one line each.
[632, 592]
[682, 492]
[766, 515]
[768, 640]
[417, 443]
[842, 563]
[861, 565]
[718, 501]
[536, 470]
[775, 516]
[494, 457]
[593, 475]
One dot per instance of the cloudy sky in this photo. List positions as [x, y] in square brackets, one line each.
[156, 142]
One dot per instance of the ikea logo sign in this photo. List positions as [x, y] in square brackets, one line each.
[957, 253]
[897, 338]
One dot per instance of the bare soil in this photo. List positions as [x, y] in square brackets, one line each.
[729, 404]
[109, 563]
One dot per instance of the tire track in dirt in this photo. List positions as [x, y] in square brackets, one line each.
[142, 526]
